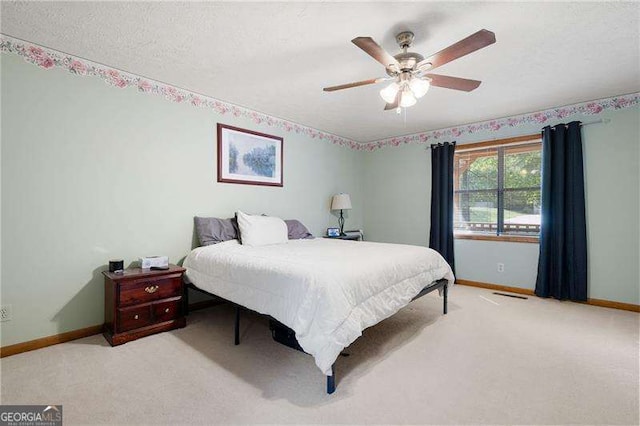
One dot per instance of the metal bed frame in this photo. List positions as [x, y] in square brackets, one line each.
[331, 380]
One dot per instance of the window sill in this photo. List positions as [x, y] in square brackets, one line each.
[503, 238]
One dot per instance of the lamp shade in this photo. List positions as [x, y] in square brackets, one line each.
[407, 99]
[341, 202]
[419, 87]
[389, 93]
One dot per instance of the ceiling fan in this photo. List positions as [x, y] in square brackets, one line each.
[410, 71]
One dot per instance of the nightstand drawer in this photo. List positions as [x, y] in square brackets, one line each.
[149, 290]
[165, 311]
[131, 318]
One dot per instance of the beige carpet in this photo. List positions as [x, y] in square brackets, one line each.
[492, 359]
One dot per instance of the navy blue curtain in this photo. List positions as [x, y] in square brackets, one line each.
[441, 234]
[562, 266]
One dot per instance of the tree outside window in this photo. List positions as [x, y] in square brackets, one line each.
[497, 189]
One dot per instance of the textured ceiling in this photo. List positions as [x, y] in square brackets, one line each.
[276, 57]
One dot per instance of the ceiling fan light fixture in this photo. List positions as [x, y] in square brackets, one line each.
[419, 87]
[408, 69]
[407, 99]
[389, 93]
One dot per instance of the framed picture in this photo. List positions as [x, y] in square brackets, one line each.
[249, 157]
[333, 232]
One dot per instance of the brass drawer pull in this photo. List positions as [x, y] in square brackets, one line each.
[135, 317]
[166, 311]
[151, 289]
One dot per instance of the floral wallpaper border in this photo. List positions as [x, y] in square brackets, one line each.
[540, 117]
[49, 58]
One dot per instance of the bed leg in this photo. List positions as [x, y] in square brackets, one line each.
[331, 381]
[185, 301]
[444, 294]
[237, 327]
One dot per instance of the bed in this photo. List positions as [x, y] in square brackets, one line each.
[326, 291]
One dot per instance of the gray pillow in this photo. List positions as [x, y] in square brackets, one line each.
[211, 230]
[297, 231]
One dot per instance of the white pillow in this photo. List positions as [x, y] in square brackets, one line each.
[261, 230]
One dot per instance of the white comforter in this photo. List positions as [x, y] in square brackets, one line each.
[327, 291]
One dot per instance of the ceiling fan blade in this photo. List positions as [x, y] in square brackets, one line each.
[355, 84]
[374, 50]
[482, 38]
[395, 103]
[454, 83]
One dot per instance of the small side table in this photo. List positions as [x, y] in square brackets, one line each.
[346, 237]
[139, 302]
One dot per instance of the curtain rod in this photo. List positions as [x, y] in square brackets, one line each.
[588, 123]
[602, 120]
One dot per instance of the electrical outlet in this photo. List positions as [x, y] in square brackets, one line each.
[5, 313]
[500, 267]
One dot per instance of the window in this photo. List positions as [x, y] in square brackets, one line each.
[497, 188]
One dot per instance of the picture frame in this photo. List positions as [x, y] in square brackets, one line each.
[248, 157]
[333, 232]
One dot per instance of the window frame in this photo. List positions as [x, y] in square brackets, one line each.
[500, 145]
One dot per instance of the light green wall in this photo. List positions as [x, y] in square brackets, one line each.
[91, 172]
[397, 191]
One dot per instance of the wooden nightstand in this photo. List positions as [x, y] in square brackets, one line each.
[140, 302]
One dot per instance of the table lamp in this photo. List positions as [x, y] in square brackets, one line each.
[341, 202]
